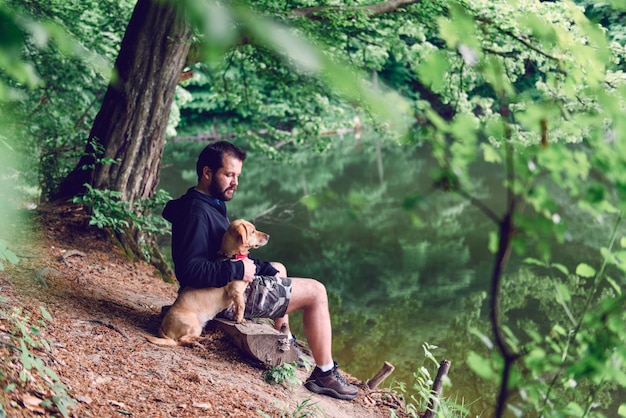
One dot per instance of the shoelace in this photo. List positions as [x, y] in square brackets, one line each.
[340, 378]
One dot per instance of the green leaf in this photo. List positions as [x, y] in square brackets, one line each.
[45, 313]
[614, 285]
[585, 270]
[460, 28]
[310, 202]
[493, 242]
[561, 268]
[534, 261]
[622, 410]
[574, 410]
[433, 70]
[481, 366]
[563, 294]
[490, 154]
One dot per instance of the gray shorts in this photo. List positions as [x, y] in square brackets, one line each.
[266, 297]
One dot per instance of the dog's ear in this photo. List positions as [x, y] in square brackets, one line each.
[242, 234]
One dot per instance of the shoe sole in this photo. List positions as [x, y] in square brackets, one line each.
[313, 387]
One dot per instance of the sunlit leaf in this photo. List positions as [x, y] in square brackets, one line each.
[614, 285]
[585, 270]
[563, 294]
[311, 202]
[490, 154]
[560, 267]
[433, 69]
[481, 366]
[574, 410]
[534, 261]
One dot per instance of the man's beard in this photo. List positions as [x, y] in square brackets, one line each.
[215, 191]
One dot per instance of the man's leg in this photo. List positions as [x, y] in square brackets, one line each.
[310, 296]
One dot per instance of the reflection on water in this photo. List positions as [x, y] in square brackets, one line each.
[403, 263]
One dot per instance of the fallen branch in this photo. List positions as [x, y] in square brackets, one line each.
[444, 366]
[382, 374]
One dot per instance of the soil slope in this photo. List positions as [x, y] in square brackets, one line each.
[102, 305]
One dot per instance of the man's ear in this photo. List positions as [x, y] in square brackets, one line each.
[207, 172]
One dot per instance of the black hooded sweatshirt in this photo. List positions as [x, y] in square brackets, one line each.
[198, 224]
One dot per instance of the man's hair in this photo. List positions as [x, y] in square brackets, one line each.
[213, 156]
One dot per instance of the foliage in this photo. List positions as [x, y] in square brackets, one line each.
[282, 374]
[66, 50]
[304, 409]
[23, 330]
[529, 133]
[108, 210]
[6, 254]
[419, 398]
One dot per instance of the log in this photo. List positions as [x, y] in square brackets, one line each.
[260, 341]
[444, 366]
[382, 374]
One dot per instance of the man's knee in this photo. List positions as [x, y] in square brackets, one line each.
[282, 270]
[311, 289]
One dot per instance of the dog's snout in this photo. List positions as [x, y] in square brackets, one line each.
[267, 236]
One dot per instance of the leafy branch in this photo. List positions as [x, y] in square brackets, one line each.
[371, 10]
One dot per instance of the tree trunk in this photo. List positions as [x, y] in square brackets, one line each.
[130, 127]
[131, 124]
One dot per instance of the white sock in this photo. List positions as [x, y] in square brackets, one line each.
[326, 367]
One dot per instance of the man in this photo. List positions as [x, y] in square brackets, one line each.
[199, 219]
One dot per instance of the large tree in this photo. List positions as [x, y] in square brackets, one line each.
[126, 141]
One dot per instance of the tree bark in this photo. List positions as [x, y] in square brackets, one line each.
[131, 124]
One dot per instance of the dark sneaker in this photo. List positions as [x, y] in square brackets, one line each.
[331, 383]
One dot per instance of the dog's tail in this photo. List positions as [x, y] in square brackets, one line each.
[160, 341]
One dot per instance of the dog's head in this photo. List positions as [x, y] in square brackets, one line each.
[240, 237]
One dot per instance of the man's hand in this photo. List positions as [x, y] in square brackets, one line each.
[249, 269]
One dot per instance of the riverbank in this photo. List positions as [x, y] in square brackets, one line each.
[101, 307]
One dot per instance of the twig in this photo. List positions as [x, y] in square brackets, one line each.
[71, 253]
[111, 326]
[444, 367]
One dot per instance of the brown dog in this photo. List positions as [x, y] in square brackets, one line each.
[184, 321]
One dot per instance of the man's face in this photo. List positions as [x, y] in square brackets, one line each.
[224, 182]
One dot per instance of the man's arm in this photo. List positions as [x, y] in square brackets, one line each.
[194, 252]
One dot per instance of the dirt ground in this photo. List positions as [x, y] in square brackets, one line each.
[102, 305]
